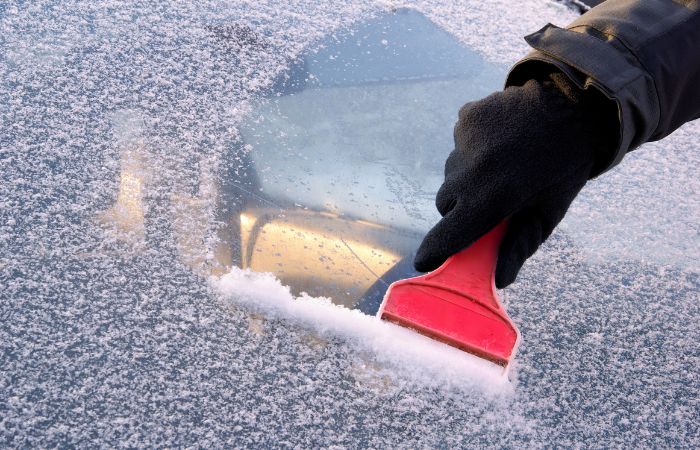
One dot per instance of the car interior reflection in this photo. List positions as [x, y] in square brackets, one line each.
[337, 167]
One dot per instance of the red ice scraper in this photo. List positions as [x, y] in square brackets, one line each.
[457, 303]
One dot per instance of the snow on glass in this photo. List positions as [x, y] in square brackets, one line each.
[124, 323]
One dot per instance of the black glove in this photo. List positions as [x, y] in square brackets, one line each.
[524, 154]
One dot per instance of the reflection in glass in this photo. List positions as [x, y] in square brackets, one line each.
[336, 172]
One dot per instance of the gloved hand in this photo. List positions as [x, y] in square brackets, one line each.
[524, 154]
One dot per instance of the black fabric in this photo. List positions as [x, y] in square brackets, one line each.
[524, 153]
[643, 54]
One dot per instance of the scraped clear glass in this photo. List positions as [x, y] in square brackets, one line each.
[348, 152]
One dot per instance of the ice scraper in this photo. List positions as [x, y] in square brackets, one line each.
[457, 303]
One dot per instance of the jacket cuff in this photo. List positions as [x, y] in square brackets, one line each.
[589, 61]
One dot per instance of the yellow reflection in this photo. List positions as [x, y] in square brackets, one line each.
[130, 197]
[317, 254]
[372, 224]
[189, 222]
[247, 221]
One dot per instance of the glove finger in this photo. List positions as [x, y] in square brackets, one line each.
[455, 162]
[527, 230]
[450, 235]
[524, 235]
[445, 200]
[437, 245]
[465, 220]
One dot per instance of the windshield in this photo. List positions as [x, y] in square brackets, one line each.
[358, 129]
[202, 203]
[366, 128]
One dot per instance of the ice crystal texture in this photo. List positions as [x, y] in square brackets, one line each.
[118, 327]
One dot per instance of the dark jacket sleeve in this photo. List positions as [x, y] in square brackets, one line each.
[642, 54]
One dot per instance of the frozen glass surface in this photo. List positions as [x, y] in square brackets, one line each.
[401, 46]
[360, 128]
[139, 170]
[368, 124]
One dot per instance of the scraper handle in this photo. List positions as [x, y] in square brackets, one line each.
[473, 269]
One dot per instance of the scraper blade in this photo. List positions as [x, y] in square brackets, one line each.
[457, 303]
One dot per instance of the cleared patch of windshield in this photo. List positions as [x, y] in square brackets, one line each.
[351, 144]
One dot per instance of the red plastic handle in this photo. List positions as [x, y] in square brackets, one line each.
[472, 270]
[457, 303]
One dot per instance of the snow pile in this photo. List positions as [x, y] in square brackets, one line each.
[408, 356]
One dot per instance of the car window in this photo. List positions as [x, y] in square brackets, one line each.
[360, 131]
[202, 203]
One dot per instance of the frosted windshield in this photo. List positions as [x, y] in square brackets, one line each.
[180, 198]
